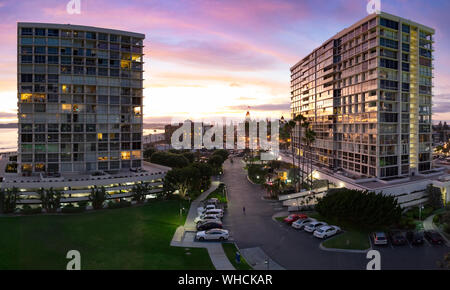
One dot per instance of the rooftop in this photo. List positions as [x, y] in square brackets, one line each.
[79, 27]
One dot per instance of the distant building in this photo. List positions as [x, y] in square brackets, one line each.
[367, 92]
[80, 92]
[441, 133]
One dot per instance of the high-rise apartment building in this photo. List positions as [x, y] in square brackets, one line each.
[80, 98]
[367, 92]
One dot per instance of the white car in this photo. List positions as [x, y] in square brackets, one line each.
[311, 227]
[214, 234]
[326, 232]
[204, 217]
[300, 224]
[201, 210]
[217, 212]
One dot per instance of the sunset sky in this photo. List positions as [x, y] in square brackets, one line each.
[207, 58]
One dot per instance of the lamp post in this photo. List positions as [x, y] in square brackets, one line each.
[420, 212]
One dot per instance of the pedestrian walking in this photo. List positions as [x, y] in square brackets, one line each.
[243, 209]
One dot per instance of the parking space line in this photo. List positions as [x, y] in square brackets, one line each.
[409, 244]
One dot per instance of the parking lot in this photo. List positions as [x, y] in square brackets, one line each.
[293, 249]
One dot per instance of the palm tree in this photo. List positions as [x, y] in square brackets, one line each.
[98, 197]
[139, 192]
[290, 126]
[300, 121]
[310, 137]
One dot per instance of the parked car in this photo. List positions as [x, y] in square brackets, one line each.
[311, 227]
[202, 209]
[300, 224]
[415, 237]
[208, 225]
[294, 217]
[212, 201]
[326, 232]
[217, 212]
[397, 238]
[434, 237]
[205, 217]
[214, 234]
[379, 238]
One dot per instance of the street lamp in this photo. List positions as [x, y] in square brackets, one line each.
[420, 212]
[266, 261]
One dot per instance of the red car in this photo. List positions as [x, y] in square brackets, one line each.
[294, 217]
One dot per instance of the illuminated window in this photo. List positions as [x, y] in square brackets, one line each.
[76, 108]
[27, 168]
[102, 158]
[125, 64]
[136, 154]
[66, 107]
[65, 89]
[136, 57]
[39, 167]
[137, 110]
[100, 136]
[125, 155]
[25, 98]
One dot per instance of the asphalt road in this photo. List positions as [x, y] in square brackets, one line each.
[298, 250]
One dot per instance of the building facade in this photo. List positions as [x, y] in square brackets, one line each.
[80, 99]
[367, 93]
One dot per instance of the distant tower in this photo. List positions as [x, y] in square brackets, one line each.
[247, 116]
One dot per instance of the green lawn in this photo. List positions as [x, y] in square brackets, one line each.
[219, 193]
[230, 250]
[352, 240]
[127, 238]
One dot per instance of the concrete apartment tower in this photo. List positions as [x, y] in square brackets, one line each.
[367, 92]
[80, 99]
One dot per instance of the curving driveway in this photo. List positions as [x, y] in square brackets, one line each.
[297, 250]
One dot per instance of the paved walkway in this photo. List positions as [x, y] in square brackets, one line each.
[185, 235]
[428, 225]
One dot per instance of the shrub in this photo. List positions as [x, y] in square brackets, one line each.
[407, 223]
[28, 210]
[169, 159]
[360, 208]
[447, 228]
[121, 204]
[70, 208]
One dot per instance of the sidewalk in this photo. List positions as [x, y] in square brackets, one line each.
[185, 235]
[428, 225]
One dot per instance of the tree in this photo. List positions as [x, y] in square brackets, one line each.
[148, 153]
[310, 137]
[181, 180]
[434, 196]
[50, 199]
[169, 159]
[189, 156]
[300, 122]
[8, 198]
[362, 208]
[278, 187]
[216, 161]
[289, 127]
[140, 191]
[98, 197]
[222, 153]
[206, 172]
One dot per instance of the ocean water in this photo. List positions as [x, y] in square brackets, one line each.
[8, 139]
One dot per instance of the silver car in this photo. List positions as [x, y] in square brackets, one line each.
[214, 234]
